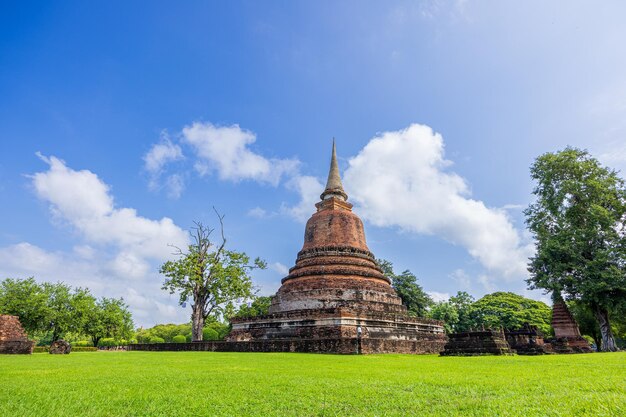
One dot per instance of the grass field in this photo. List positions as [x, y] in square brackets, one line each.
[277, 384]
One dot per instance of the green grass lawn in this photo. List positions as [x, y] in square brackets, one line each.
[283, 384]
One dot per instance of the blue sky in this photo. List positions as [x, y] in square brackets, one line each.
[121, 124]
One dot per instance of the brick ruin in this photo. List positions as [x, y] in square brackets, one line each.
[567, 338]
[13, 338]
[336, 298]
[477, 343]
[527, 341]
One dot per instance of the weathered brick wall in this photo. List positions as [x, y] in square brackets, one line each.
[563, 322]
[13, 338]
[330, 345]
[329, 226]
[486, 342]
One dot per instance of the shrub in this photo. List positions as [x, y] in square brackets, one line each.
[107, 342]
[41, 349]
[179, 339]
[156, 339]
[210, 334]
[221, 329]
[82, 343]
[188, 337]
[84, 349]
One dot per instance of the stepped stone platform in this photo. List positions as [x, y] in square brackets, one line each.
[485, 342]
[567, 338]
[13, 338]
[527, 341]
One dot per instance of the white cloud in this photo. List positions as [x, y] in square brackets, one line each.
[84, 201]
[462, 279]
[401, 179]
[438, 296]
[161, 154]
[120, 251]
[309, 188]
[226, 150]
[258, 213]
[156, 159]
[280, 268]
[175, 185]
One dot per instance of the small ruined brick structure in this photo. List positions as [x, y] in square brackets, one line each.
[13, 339]
[527, 341]
[566, 333]
[477, 343]
[336, 298]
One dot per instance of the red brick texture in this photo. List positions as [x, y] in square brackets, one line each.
[13, 338]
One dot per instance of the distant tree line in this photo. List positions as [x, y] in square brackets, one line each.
[462, 312]
[50, 311]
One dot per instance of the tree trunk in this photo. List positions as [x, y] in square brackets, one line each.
[197, 321]
[608, 340]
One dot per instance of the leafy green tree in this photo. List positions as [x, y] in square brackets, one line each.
[463, 304]
[446, 312]
[66, 310]
[456, 313]
[578, 221]
[413, 296]
[25, 298]
[108, 318]
[209, 275]
[511, 311]
[258, 307]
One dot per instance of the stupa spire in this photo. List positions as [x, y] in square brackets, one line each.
[334, 188]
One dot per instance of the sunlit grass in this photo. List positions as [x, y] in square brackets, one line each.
[282, 384]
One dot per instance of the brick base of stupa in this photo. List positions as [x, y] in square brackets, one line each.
[335, 330]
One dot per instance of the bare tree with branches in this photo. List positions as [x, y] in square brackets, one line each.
[209, 274]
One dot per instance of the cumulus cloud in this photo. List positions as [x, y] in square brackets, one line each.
[160, 154]
[258, 213]
[462, 279]
[155, 161]
[309, 189]
[226, 150]
[280, 268]
[84, 201]
[402, 179]
[120, 250]
[438, 296]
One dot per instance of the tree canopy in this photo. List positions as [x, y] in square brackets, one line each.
[55, 309]
[578, 221]
[511, 311]
[258, 307]
[413, 296]
[210, 276]
[456, 313]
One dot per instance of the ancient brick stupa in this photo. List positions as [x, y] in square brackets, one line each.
[336, 298]
[13, 338]
[566, 331]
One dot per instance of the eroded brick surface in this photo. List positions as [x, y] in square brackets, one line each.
[486, 342]
[13, 338]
